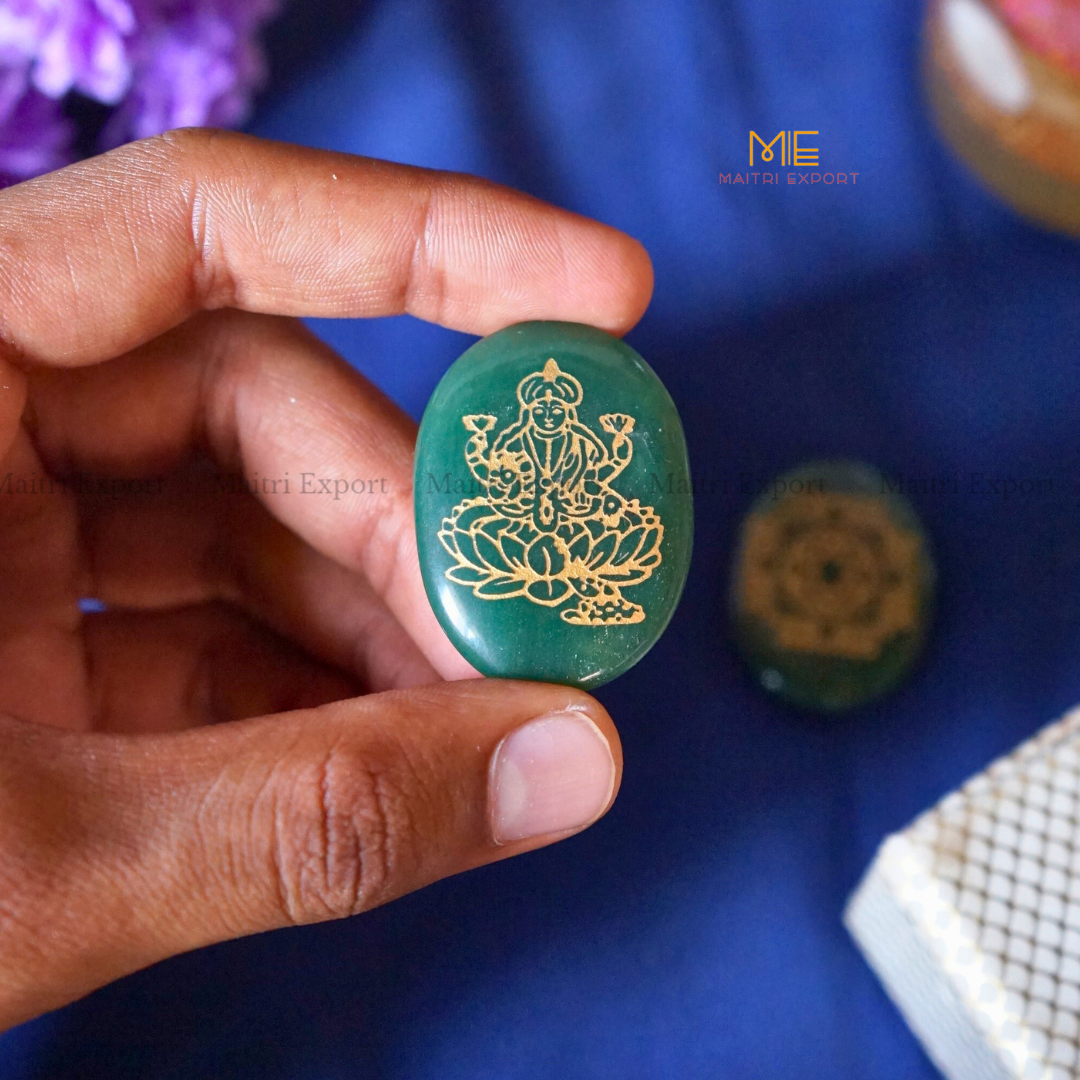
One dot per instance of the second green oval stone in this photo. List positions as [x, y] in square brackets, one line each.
[833, 586]
[554, 519]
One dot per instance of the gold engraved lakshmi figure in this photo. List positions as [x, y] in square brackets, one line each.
[549, 526]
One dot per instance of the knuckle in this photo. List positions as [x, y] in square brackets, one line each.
[199, 162]
[347, 839]
[172, 154]
[185, 142]
[425, 282]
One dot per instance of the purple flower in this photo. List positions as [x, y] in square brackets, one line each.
[196, 63]
[70, 44]
[34, 135]
[163, 63]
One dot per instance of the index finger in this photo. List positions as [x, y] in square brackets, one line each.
[105, 255]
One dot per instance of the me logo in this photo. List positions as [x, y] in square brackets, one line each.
[783, 150]
[791, 153]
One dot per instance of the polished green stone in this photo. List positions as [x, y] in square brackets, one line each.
[833, 585]
[554, 516]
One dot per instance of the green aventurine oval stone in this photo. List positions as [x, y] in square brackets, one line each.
[554, 518]
[832, 587]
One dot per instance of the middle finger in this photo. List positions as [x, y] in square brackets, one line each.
[196, 537]
[270, 403]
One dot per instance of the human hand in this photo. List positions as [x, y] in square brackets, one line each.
[152, 404]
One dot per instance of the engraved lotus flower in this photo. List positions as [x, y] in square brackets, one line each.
[500, 557]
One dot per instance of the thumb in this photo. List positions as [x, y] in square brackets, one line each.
[117, 852]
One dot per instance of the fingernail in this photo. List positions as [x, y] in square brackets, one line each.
[551, 775]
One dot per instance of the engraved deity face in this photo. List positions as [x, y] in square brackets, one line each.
[549, 416]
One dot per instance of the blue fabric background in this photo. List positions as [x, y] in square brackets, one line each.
[910, 321]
